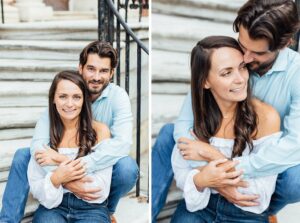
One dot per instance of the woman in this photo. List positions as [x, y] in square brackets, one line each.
[73, 134]
[226, 117]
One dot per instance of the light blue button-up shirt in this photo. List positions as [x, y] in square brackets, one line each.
[112, 108]
[279, 87]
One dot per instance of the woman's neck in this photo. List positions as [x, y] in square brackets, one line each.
[228, 111]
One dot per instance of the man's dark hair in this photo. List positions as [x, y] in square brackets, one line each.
[274, 20]
[102, 49]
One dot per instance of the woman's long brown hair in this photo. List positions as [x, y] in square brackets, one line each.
[207, 114]
[86, 136]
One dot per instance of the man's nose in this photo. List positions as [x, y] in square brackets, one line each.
[248, 57]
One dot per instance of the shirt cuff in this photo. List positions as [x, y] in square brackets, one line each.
[195, 200]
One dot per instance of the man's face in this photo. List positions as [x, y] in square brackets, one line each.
[257, 55]
[97, 73]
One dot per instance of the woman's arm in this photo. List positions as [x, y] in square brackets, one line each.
[41, 186]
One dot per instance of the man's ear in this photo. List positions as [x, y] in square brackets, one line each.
[80, 68]
[289, 43]
[112, 73]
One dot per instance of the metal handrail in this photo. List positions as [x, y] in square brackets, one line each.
[2, 11]
[126, 27]
[106, 31]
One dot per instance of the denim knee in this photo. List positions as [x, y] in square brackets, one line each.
[125, 171]
[21, 158]
[165, 135]
[289, 179]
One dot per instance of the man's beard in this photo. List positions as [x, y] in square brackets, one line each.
[262, 68]
[98, 91]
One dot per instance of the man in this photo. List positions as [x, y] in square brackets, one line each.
[265, 31]
[110, 105]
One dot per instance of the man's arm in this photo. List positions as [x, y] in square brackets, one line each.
[285, 153]
[109, 151]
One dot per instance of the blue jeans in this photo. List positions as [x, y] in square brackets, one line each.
[74, 210]
[218, 210]
[286, 192]
[162, 173]
[124, 176]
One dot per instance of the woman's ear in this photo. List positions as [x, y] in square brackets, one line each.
[207, 85]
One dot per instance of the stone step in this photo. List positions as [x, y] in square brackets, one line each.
[84, 30]
[162, 114]
[170, 66]
[41, 50]
[171, 33]
[215, 10]
[37, 70]
[73, 15]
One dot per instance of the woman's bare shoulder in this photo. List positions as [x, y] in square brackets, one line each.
[101, 129]
[268, 118]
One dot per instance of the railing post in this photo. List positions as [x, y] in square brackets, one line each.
[105, 22]
[2, 11]
[138, 115]
[296, 47]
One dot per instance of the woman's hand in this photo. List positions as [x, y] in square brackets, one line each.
[216, 174]
[197, 150]
[68, 171]
[49, 157]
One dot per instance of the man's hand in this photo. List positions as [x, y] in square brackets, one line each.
[216, 174]
[198, 150]
[232, 195]
[78, 187]
[49, 157]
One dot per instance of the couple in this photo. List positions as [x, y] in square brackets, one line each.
[102, 166]
[227, 122]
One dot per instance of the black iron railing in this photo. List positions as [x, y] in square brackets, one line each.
[296, 47]
[2, 11]
[107, 13]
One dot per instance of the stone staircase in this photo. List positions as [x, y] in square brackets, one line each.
[30, 56]
[176, 27]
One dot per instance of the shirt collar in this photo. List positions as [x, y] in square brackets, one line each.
[105, 92]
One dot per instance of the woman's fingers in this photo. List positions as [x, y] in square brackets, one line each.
[234, 174]
[242, 183]
[227, 166]
[218, 162]
[183, 140]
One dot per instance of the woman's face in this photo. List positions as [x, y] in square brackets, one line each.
[68, 99]
[228, 76]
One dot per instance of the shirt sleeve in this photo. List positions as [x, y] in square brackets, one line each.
[283, 154]
[263, 186]
[41, 134]
[111, 150]
[101, 179]
[184, 174]
[185, 120]
[41, 186]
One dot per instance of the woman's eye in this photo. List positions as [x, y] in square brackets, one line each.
[62, 96]
[226, 74]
